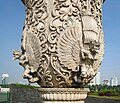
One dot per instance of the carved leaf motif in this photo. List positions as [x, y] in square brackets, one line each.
[33, 50]
[29, 53]
[69, 47]
[62, 75]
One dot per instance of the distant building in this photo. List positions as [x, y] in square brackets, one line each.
[114, 81]
[96, 80]
[105, 82]
[5, 79]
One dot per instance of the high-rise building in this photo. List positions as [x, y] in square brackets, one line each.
[96, 79]
[5, 79]
[114, 81]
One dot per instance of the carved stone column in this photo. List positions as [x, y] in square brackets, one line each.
[62, 46]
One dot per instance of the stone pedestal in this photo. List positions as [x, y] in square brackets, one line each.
[63, 95]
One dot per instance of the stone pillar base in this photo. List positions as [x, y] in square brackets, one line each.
[62, 102]
[63, 95]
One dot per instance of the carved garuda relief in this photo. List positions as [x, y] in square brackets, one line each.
[62, 42]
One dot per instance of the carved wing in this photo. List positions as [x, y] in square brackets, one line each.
[33, 52]
[69, 47]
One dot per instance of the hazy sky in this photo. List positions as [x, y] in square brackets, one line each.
[12, 15]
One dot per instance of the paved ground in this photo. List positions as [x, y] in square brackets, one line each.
[100, 100]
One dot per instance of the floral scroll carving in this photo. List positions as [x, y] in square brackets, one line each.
[62, 42]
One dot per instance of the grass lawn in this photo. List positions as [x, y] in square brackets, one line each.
[107, 97]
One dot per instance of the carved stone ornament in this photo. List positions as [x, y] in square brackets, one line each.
[63, 95]
[62, 42]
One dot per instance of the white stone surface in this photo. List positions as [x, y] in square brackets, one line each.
[63, 95]
[4, 90]
[63, 101]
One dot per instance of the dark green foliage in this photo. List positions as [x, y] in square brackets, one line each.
[19, 85]
[25, 86]
[104, 90]
[108, 93]
[5, 85]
